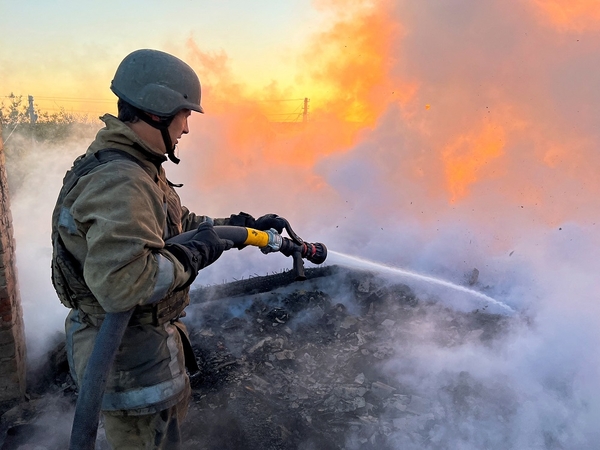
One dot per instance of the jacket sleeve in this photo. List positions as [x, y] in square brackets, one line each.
[191, 221]
[120, 212]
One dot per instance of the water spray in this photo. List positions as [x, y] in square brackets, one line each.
[360, 263]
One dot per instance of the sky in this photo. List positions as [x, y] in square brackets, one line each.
[70, 49]
[442, 136]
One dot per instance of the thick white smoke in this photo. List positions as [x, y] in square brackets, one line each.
[35, 177]
[488, 163]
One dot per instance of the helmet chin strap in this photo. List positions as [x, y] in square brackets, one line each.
[169, 145]
[163, 126]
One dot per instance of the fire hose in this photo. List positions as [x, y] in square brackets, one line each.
[108, 340]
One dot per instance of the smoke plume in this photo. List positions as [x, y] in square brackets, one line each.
[441, 137]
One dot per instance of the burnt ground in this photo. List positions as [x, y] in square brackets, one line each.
[306, 367]
[320, 364]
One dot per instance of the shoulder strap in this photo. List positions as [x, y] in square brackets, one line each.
[67, 273]
[112, 154]
[86, 163]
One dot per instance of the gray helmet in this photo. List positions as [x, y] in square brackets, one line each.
[157, 83]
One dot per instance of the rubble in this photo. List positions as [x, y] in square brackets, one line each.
[306, 365]
[311, 370]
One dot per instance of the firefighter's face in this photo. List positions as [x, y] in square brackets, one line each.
[179, 125]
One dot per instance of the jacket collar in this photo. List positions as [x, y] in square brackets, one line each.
[117, 134]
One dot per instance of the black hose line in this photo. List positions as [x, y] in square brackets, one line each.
[108, 339]
[237, 235]
[91, 389]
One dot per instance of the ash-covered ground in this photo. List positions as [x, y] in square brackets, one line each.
[307, 367]
[327, 363]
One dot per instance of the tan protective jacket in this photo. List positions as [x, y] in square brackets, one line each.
[114, 222]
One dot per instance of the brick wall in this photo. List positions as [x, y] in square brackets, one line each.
[12, 337]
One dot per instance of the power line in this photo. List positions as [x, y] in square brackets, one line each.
[283, 100]
[301, 110]
[74, 111]
[74, 99]
[104, 100]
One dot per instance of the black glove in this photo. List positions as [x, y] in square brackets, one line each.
[263, 223]
[197, 250]
[269, 221]
[241, 220]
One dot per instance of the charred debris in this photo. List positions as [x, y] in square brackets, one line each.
[308, 365]
[319, 364]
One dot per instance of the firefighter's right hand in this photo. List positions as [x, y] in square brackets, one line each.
[199, 249]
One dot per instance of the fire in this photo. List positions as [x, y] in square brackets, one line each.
[571, 15]
[345, 71]
[354, 61]
[468, 158]
[405, 108]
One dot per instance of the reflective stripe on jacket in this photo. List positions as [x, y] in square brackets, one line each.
[114, 223]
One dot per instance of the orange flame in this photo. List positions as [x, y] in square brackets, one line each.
[372, 80]
[468, 156]
[349, 78]
[571, 15]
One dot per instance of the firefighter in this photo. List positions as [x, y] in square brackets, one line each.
[111, 252]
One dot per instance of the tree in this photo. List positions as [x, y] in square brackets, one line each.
[13, 113]
[52, 128]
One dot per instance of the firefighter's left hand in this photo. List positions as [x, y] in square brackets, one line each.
[269, 221]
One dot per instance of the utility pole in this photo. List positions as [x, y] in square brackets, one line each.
[32, 115]
[305, 111]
